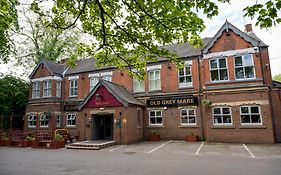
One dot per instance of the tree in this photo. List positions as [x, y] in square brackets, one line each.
[8, 20]
[277, 77]
[37, 41]
[129, 33]
[13, 97]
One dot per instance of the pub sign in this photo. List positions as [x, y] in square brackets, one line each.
[173, 101]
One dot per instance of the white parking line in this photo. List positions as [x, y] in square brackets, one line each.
[117, 148]
[198, 150]
[249, 151]
[160, 146]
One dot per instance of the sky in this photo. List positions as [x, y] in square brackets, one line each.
[234, 14]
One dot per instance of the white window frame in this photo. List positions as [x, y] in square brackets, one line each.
[44, 121]
[138, 85]
[154, 79]
[69, 118]
[221, 115]
[58, 89]
[32, 121]
[58, 120]
[188, 116]
[187, 65]
[36, 89]
[94, 80]
[155, 124]
[250, 114]
[244, 66]
[73, 88]
[47, 88]
[218, 69]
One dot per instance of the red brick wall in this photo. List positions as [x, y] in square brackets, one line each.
[237, 132]
[276, 98]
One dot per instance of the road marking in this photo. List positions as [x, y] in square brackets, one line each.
[160, 146]
[198, 150]
[117, 148]
[249, 151]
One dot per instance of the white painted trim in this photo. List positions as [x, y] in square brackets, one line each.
[105, 73]
[73, 77]
[47, 78]
[64, 72]
[94, 75]
[244, 103]
[148, 68]
[188, 62]
[231, 52]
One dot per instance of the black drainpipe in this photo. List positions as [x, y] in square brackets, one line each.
[199, 97]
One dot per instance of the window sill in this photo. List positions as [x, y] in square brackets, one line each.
[31, 127]
[233, 81]
[157, 90]
[186, 87]
[155, 126]
[223, 127]
[252, 127]
[71, 127]
[188, 126]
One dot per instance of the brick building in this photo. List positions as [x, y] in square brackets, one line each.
[224, 93]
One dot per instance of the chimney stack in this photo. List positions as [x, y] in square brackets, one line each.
[248, 28]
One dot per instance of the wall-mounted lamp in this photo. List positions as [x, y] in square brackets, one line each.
[90, 119]
[165, 108]
[267, 66]
[256, 51]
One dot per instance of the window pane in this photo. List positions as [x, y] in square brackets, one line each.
[223, 74]
[245, 110]
[248, 60]
[191, 112]
[225, 111]
[217, 111]
[152, 113]
[157, 74]
[188, 79]
[184, 120]
[222, 63]
[183, 112]
[217, 119]
[214, 75]
[181, 72]
[158, 113]
[245, 118]
[159, 120]
[182, 80]
[152, 120]
[249, 72]
[238, 61]
[187, 70]
[191, 120]
[226, 119]
[256, 119]
[239, 73]
[213, 64]
[255, 109]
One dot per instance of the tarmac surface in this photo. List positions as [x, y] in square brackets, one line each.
[145, 158]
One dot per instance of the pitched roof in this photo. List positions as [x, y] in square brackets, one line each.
[250, 37]
[53, 68]
[276, 84]
[119, 92]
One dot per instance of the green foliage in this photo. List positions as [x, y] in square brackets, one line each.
[129, 33]
[267, 13]
[13, 95]
[59, 137]
[277, 77]
[206, 103]
[8, 19]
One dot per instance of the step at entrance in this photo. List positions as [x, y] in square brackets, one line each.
[91, 145]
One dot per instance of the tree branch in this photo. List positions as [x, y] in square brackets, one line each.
[76, 19]
[102, 11]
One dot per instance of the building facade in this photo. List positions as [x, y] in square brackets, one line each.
[224, 93]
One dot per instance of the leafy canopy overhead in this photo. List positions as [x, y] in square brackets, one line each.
[129, 33]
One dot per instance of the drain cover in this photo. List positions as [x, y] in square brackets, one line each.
[129, 152]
